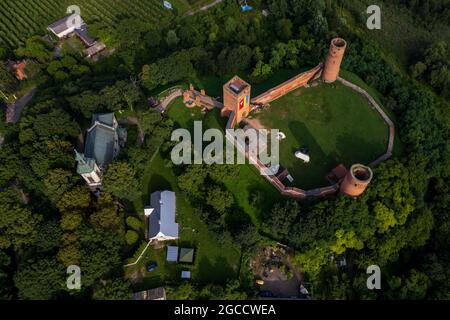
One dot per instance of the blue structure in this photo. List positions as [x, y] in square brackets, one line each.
[167, 5]
[245, 7]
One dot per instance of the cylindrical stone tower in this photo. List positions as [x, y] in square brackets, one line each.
[356, 180]
[334, 59]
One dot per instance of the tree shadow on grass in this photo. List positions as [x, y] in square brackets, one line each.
[236, 219]
[263, 197]
[358, 149]
[157, 183]
[308, 175]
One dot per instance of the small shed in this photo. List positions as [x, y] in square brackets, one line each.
[18, 68]
[172, 254]
[185, 274]
[186, 255]
[152, 294]
[94, 49]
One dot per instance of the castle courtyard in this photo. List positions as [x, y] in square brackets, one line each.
[336, 125]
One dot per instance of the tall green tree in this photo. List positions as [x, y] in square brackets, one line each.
[121, 182]
[40, 280]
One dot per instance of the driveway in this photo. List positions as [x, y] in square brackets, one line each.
[204, 8]
[14, 110]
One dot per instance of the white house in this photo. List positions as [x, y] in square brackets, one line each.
[161, 216]
[66, 25]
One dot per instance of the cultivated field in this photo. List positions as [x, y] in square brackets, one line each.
[20, 19]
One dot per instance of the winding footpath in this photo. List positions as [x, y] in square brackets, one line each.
[168, 100]
[204, 8]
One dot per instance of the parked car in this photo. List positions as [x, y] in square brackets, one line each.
[152, 266]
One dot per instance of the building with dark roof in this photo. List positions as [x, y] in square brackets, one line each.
[94, 49]
[186, 255]
[66, 25]
[152, 294]
[74, 25]
[103, 142]
[161, 216]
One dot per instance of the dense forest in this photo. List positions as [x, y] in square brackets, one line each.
[49, 219]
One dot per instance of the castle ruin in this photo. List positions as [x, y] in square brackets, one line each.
[237, 104]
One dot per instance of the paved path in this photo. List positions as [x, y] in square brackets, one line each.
[140, 256]
[167, 100]
[204, 8]
[383, 115]
[14, 110]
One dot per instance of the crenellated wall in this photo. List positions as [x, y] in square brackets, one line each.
[298, 81]
[354, 183]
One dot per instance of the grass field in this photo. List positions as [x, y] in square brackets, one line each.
[20, 19]
[335, 123]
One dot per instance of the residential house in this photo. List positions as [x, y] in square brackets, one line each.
[161, 216]
[66, 26]
[74, 25]
[152, 294]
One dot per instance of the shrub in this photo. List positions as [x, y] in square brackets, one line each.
[131, 237]
[134, 223]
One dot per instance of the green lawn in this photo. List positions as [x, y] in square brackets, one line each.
[335, 123]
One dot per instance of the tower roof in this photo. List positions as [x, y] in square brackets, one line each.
[84, 165]
[236, 85]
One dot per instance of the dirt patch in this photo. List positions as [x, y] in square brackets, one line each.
[137, 276]
[273, 266]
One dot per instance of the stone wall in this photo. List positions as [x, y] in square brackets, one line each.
[298, 81]
[383, 115]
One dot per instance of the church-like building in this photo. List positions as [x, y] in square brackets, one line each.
[103, 142]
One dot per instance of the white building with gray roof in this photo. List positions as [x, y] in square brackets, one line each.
[67, 25]
[161, 216]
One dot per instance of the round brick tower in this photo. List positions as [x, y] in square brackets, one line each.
[356, 180]
[334, 59]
